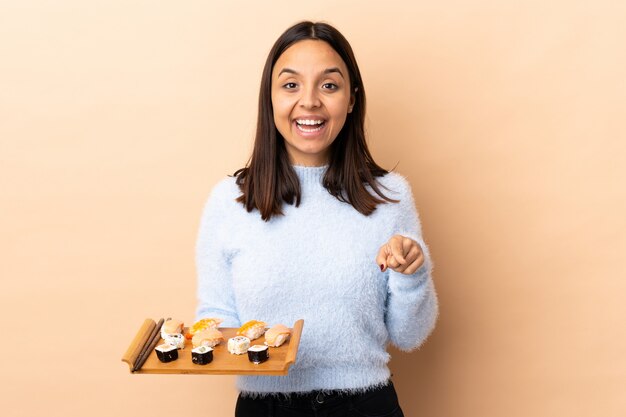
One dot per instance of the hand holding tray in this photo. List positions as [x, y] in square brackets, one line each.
[224, 362]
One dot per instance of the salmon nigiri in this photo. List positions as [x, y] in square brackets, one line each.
[207, 337]
[277, 335]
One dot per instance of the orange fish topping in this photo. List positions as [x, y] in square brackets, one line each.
[249, 325]
[203, 324]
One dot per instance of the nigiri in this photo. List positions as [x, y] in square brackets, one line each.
[252, 329]
[208, 323]
[171, 326]
[208, 337]
[277, 335]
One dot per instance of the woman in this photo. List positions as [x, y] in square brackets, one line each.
[314, 229]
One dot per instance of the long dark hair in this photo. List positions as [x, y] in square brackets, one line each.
[269, 180]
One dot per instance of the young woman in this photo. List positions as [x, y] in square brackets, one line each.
[312, 228]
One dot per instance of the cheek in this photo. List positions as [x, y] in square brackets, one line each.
[340, 116]
[339, 109]
[281, 109]
[281, 118]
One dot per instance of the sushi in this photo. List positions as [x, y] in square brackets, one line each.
[204, 324]
[238, 345]
[277, 335]
[177, 340]
[202, 355]
[258, 354]
[171, 327]
[166, 352]
[252, 329]
[208, 337]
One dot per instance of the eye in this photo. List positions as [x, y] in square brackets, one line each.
[290, 86]
[330, 86]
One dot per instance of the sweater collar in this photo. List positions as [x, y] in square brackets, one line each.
[310, 175]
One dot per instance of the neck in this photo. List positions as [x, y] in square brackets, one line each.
[309, 160]
[298, 164]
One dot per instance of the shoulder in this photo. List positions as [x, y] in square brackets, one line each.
[395, 185]
[224, 192]
[226, 186]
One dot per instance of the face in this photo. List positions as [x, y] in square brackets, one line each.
[311, 98]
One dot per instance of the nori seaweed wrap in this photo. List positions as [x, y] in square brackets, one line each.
[202, 355]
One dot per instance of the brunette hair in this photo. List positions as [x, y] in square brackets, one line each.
[268, 180]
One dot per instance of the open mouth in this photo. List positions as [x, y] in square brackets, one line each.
[309, 126]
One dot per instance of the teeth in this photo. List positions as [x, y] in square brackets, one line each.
[315, 129]
[309, 122]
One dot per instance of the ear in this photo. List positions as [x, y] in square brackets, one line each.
[352, 100]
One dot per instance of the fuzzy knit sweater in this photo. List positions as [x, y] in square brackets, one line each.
[317, 263]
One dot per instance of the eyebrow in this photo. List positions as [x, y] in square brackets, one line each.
[326, 71]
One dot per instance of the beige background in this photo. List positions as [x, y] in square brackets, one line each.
[116, 119]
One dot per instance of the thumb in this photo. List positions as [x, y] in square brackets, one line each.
[381, 258]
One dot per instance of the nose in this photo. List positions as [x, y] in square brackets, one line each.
[310, 98]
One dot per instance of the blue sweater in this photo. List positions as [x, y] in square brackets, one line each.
[317, 263]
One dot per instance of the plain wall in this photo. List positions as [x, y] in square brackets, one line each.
[117, 118]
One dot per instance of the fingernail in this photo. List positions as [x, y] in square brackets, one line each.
[382, 267]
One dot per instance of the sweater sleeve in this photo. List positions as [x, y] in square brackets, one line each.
[215, 292]
[412, 305]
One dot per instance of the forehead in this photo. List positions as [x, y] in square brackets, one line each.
[309, 56]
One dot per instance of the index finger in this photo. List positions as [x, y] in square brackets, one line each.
[397, 250]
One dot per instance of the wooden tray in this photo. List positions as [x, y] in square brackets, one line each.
[224, 363]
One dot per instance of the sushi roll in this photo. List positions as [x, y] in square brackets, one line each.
[258, 354]
[204, 324]
[208, 337]
[177, 340]
[238, 345]
[166, 352]
[171, 326]
[277, 335]
[202, 355]
[252, 329]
